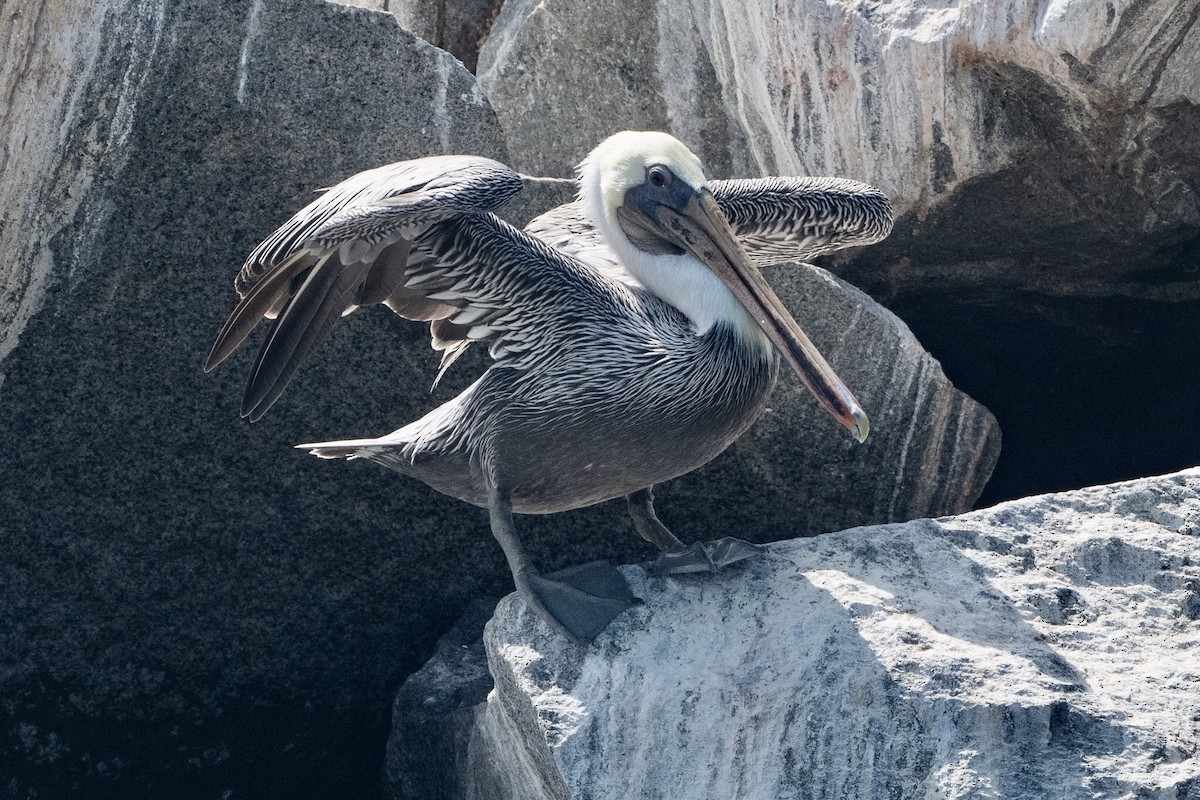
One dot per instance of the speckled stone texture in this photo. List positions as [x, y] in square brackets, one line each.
[1048, 647]
[188, 606]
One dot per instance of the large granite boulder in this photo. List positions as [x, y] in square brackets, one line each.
[1048, 647]
[1042, 154]
[188, 606]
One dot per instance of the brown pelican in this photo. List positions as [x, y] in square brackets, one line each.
[633, 337]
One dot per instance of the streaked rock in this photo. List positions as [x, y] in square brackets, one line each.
[900, 95]
[1042, 156]
[186, 600]
[1048, 647]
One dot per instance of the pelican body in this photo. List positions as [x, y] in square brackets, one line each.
[587, 428]
[633, 335]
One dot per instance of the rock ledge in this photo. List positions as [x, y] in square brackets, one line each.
[1047, 647]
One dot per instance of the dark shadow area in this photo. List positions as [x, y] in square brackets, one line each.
[257, 746]
[1063, 291]
[1086, 390]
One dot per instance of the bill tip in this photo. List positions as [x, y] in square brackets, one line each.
[862, 426]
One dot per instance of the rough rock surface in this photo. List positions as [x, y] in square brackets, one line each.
[458, 26]
[895, 94]
[188, 606]
[1047, 647]
[434, 711]
[1044, 154]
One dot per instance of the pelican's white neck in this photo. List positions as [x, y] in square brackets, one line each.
[681, 280]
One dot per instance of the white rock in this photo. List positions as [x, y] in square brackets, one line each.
[897, 93]
[1044, 648]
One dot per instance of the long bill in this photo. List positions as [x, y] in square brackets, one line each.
[702, 228]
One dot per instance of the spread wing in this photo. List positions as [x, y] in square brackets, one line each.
[777, 220]
[419, 237]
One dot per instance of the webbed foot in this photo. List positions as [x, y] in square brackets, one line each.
[729, 550]
[704, 556]
[580, 601]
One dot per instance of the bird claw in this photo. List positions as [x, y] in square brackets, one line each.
[704, 557]
[579, 602]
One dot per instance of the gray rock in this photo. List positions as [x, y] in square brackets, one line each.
[458, 26]
[1047, 647]
[187, 605]
[1043, 156]
[564, 74]
[902, 96]
[435, 710]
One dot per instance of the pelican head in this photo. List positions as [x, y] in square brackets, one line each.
[647, 195]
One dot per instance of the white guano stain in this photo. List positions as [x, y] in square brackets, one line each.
[147, 34]
[253, 29]
[71, 145]
[441, 115]
[137, 71]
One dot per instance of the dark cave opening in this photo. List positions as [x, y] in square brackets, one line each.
[1087, 390]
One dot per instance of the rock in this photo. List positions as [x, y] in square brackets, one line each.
[458, 26]
[435, 709]
[186, 602]
[903, 96]
[190, 607]
[1047, 647]
[1042, 156]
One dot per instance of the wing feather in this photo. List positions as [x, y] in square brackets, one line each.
[419, 237]
[313, 310]
[261, 300]
[785, 220]
[777, 220]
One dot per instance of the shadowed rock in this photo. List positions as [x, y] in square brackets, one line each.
[188, 604]
[190, 607]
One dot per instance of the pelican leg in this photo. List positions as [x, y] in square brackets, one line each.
[649, 526]
[677, 558]
[578, 602]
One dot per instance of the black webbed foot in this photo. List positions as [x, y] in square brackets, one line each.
[704, 556]
[580, 601]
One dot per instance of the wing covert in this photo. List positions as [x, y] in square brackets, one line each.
[784, 220]
[417, 236]
[777, 220]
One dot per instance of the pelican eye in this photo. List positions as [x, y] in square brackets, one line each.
[659, 176]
